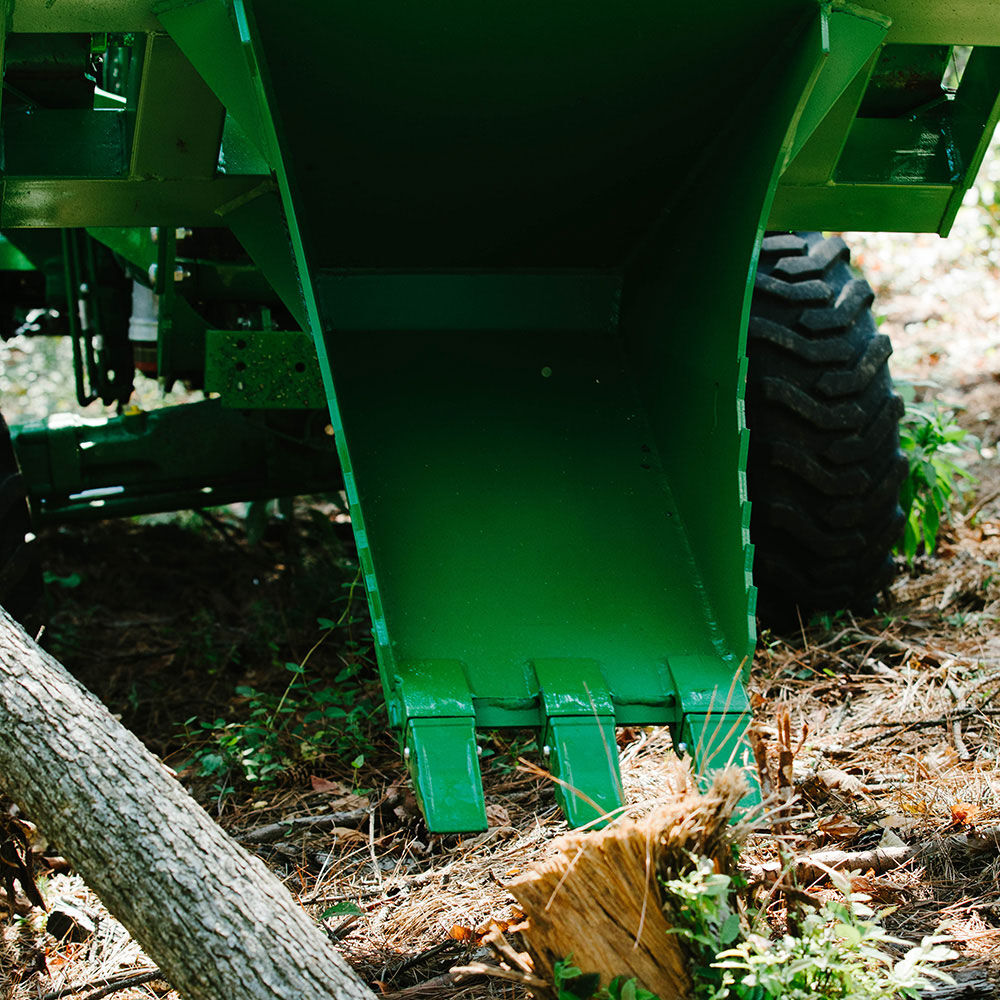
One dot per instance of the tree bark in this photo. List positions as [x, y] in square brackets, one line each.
[213, 918]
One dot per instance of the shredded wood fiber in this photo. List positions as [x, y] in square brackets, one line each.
[598, 899]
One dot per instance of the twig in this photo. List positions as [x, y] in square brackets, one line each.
[350, 898]
[960, 747]
[371, 846]
[497, 940]
[438, 984]
[275, 831]
[109, 987]
[955, 691]
[956, 724]
[979, 505]
[817, 864]
[895, 729]
[420, 958]
[495, 971]
[838, 719]
[336, 933]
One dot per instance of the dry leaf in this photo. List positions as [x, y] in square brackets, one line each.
[836, 779]
[889, 839]
[497, 815]
[897, 821]
[324, 785]
[350, 803]
[839, 826]
[964, 814]
[460, 933]
[345, 833]
[878, 890]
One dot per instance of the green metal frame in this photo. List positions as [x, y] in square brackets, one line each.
[519, 240]
[175, 458]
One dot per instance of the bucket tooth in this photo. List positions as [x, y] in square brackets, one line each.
[714, 715]
[718, 739]
[444, 766]
[579, 738]
[430, 705]
[583, 758]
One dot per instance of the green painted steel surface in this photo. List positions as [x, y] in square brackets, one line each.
[12, 259]
[551, 473]
[263, 369]
[522, 238]
[195, 455]
[899, 148]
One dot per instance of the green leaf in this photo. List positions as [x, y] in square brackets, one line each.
[345, 908]
[932, 523]
[582, 985]
[730, 929]
[211, 763]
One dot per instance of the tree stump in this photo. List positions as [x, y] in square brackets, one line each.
[598, 899]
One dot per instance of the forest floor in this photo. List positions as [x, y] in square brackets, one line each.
[185, 626]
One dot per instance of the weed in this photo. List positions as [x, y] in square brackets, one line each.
[311, 718]
[571, 983]
[827, 620]
[934, 444]
[836, 952]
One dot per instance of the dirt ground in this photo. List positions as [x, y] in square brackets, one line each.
[891, 720]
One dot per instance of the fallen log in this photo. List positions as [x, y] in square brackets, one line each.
[210, 915]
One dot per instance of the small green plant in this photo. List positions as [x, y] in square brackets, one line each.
[345, 908]
[838, 951]
[571, 983]
[934, 444]
[308, 720]
[700, 909]
[312, 717]
[836, 954]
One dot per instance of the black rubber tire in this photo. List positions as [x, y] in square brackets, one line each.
[824, 468]
[20, 573]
